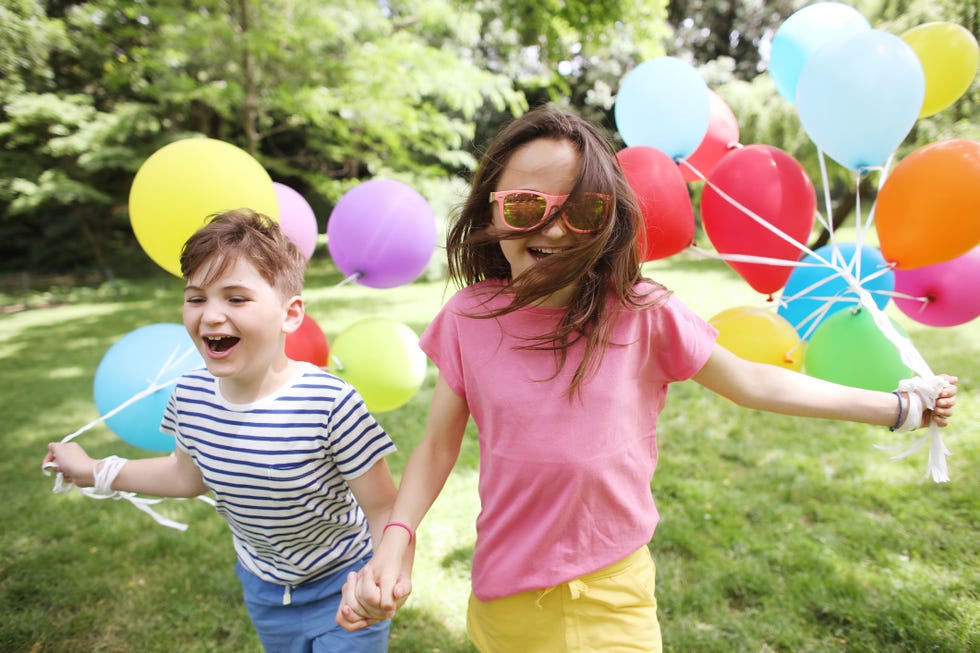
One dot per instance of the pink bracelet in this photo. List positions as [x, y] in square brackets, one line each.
[411, 535]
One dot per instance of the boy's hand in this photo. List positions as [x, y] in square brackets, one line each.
[351, 615]
[71, 461]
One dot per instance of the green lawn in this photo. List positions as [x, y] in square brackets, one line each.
[777, 534]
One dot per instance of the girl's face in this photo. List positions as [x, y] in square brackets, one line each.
[549, 166]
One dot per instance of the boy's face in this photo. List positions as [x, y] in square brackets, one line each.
[239, 323]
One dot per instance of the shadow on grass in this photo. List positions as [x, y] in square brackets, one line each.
[413, 631]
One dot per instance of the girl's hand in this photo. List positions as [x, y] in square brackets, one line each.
[945, 402]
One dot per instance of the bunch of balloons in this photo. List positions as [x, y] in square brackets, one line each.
[858, 92]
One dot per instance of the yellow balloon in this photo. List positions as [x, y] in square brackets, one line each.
[759, 335]
[182, 183]
[949, 56]
[381, 358]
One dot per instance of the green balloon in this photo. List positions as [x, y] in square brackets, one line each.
[849, 348]
[382, 360]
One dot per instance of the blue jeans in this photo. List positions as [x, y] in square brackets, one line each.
[306, 624]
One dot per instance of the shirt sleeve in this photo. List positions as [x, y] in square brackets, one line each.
[356, 439]
[686, 340]
[440, 342]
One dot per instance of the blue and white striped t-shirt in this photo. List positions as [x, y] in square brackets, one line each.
[279, 469]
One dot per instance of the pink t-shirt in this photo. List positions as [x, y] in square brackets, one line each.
[564, 482]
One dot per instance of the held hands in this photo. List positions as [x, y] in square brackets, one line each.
[367, 598]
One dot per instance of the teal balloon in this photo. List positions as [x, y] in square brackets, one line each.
[804, 302]
[157, 353]
[805, 32]
[849, 348]
[663, 103]
[859, 96]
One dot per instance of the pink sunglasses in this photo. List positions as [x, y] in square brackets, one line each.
[523, 210]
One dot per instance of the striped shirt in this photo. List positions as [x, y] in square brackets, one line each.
[279, 468]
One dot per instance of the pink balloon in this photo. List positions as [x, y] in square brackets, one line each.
[296, 219]
[949, 287]
[721, 138]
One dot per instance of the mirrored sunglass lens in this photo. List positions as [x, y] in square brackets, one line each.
[586, 213]
[523, 210]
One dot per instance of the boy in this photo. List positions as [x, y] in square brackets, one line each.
[294, 459]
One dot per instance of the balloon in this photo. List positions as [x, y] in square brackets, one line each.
[721, 137]
[848, 348]
[663, 103]
[805, 32]
[182, 183]
[771, 184]
[927, 210]
[815, 291]
[663, 198]
[381, 358]
[157, 353]
[949, 288]
[759, 335]
[859, 96]
[296, 219]
[383, 231]
[307, 343]
[949, 57]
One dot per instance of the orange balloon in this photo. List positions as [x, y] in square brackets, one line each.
[928, 210]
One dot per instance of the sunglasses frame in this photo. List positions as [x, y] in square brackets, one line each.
[551, 201]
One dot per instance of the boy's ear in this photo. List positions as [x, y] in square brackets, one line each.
[294, 314]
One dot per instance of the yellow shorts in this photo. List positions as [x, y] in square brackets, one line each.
[610, 610]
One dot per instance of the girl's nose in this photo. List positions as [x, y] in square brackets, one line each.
[556, 225]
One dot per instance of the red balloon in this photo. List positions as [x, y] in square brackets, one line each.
[721, 138]
[775, 187]
[663, 198]
[307, 343]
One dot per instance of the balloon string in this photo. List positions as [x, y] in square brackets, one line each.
[350, 279]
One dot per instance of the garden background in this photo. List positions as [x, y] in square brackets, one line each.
[778, 534]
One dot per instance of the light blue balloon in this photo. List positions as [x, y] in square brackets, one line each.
[859, 96]
[663, 103]
[803, 302]
[157, 353]
[805, 32]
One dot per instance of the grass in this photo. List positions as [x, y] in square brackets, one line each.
[777, 533]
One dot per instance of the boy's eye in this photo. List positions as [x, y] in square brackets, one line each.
[237, 300]
[193, 300]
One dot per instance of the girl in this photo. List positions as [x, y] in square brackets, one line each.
[562, 353]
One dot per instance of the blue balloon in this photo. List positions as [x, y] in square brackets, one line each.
[815, 291]
[805, 32]
[859, 96]
[663, 103]
[154, 354]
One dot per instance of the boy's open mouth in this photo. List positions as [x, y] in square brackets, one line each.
[221, 343]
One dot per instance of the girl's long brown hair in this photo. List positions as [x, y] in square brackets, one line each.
[608, 262]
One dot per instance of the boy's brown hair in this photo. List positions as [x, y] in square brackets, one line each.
[255, 237]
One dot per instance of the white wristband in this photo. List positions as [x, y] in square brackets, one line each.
[922, 395]
[105, 472]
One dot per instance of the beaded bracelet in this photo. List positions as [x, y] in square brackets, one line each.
[898, 422]
[411, 535]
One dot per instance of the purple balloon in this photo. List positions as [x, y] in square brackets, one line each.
[296, 218]
[382, 231]
[949, 287]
